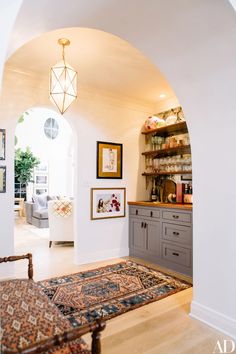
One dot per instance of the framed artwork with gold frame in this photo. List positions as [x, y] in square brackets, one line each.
[107, 203]
[109, 160]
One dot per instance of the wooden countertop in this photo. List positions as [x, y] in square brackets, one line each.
[163, 205]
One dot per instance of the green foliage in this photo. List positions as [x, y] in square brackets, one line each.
[21, 119]
[25, 162]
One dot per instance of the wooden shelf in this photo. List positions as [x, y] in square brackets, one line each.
[172, 129]
[179, 150]
[156, 174]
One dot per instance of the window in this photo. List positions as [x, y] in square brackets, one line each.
[51, 128]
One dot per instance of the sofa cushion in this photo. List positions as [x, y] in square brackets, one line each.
[40, 201]
[41, 214]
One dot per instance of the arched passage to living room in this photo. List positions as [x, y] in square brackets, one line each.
[194, 61]
[43, 135]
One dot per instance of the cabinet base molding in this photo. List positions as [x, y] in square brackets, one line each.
[160, 262]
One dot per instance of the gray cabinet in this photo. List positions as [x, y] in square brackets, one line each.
[162, 236]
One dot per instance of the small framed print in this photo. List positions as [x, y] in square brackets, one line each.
[41, 190]
[3, 179]
[107, 203]
[41, 168]
[41, 179]
[109, 160]
[2, 144]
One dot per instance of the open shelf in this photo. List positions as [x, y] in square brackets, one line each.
[178, 128]
[179, 150]
[155, 174]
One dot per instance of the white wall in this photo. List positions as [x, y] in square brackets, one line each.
[194, 45]
[58, 153]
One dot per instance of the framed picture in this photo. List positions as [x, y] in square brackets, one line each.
[107, 203]
[41, 179]
[41, 190]
[41, 168]
[109, 160]
[187, 177]
[2, 144]
[2, 179]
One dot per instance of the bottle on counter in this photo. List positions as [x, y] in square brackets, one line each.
[186, 188]
[154, 191]
[190, 189]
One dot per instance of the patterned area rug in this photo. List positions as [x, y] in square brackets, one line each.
[109, 291]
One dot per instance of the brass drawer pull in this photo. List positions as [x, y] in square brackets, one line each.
[175, 216]
[175, 254]
[175, 233]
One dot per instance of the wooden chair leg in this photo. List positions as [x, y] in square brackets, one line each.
[50, 244]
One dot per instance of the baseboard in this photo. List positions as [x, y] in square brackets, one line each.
[212, 318]
[101, 256]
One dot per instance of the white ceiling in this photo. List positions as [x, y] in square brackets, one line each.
[103, 61]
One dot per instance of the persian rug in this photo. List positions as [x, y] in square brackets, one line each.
[109, 291]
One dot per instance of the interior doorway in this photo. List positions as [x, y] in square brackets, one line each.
[44, 142]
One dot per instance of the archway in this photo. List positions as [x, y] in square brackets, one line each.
[200, 67]
[48, 137]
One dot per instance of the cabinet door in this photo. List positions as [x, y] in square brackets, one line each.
[153, 233]
[137, 234]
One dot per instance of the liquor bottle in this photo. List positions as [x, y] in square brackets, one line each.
[190, 189]
[186, 188]
[154, 191]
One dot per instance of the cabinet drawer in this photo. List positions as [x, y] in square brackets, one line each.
[177, 233]
[177, 216]
[176, 254]
[152, 213]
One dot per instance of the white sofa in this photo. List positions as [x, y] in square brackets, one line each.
[61, 227]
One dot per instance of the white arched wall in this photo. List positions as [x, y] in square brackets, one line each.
[194, 44]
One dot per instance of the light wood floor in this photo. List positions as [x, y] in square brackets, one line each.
[162, 327]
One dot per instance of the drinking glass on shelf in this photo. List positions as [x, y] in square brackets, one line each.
[153, 142]
[159, 142]
[156, 142]
[161, 164]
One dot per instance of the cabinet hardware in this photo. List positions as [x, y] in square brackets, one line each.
[142, 224]
[145, 225]
[175, 254]
[175, 233]
[151, 214]
[175, 216]
[136, 211]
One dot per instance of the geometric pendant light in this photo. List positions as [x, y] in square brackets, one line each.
[63, 81]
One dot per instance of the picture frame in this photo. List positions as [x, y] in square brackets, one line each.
[3, 170]
[109, 160]
[2, 144]
[107, 203]
[41, 191]
[187, 177]
[41, 179]
[41, 168]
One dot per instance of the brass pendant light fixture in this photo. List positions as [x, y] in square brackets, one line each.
[63, 81]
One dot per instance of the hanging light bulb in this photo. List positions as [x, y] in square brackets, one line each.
[63, 81]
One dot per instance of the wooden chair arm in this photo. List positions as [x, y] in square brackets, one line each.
[16, 258]
[45, 345]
